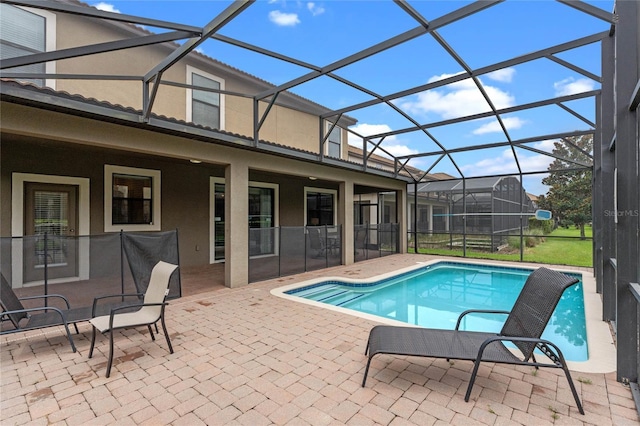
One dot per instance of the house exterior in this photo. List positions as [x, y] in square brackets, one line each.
[110, 153]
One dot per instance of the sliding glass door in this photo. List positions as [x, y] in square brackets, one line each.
[262, 220]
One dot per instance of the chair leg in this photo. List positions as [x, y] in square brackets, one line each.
[93, 341]
[76, 327]
[110, 363]
[69, 337]
[166, 334]
[476, 366]
[151, 332]
[573, 389]
[366, 371]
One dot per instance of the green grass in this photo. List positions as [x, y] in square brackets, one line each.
[554, 250]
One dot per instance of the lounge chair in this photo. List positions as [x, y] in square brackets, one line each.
[147, 313]
[24, 319]
[523, 327]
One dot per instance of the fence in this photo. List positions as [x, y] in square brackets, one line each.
[288, 250]
[523, 245]
[84, 267]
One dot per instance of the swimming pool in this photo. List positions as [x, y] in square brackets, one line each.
[435, 295]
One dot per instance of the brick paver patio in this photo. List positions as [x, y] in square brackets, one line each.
[243, 356]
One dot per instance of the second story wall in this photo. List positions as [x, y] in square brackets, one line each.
[286, 123]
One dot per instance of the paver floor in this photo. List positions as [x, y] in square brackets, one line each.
[243, 356]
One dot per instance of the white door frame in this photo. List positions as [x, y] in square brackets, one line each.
[18, 181]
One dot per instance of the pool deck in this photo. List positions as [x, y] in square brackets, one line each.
[243, 356]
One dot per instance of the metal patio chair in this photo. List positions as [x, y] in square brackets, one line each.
[523, 327]
[148, 312]
[24, 319]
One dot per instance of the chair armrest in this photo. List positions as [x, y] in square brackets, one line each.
[545, 344]
[43, 308]
[43, 296]
[479, 311]
[95, 300]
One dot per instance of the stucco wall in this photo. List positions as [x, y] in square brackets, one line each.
[45, 142]
[283, 125]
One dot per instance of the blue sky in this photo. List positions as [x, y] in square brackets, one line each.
[322, 32]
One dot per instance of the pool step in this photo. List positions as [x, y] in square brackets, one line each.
[329, 293]
[340, 298]
[316, 293]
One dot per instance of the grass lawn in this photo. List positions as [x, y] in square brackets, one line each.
[561, 247]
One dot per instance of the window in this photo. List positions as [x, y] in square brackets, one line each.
[132, 199]
[24, 32]
[334, 142]
[320, 206]
[204, 107]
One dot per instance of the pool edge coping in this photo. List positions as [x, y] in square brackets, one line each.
[602, 356]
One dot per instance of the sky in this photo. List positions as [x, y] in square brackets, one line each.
[322, 32]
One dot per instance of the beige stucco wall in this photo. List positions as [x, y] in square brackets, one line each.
[45, 142]
[283, 125]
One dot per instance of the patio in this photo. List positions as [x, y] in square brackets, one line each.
[243, 356]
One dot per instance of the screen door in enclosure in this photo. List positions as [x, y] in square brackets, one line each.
[50, 223]
[366, 219]
[261, 221]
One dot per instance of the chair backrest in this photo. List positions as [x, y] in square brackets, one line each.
[535, 305]
[10, 302]
[159, 283]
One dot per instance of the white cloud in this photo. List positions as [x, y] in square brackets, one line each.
[391, 143]
[505, 75]
[396, 150]
[315, 9]
[366, 129]
[106, 7]
[494, 126]
[284, 19]
[571, 86]
[546, 145]
[505, 163]
[457, 99]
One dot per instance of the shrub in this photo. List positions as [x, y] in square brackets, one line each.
[545, 225]
[532, 238]
[514, 242]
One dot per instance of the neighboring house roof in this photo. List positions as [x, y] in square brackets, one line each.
[378, 161]
[457, 185]
[441, 176]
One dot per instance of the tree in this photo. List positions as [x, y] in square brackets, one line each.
[569, 196]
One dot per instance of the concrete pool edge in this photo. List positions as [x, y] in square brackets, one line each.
[600, 344]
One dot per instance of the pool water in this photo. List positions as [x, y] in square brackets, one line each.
[434, 296]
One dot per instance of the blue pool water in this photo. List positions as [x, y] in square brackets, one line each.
[434, 296]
